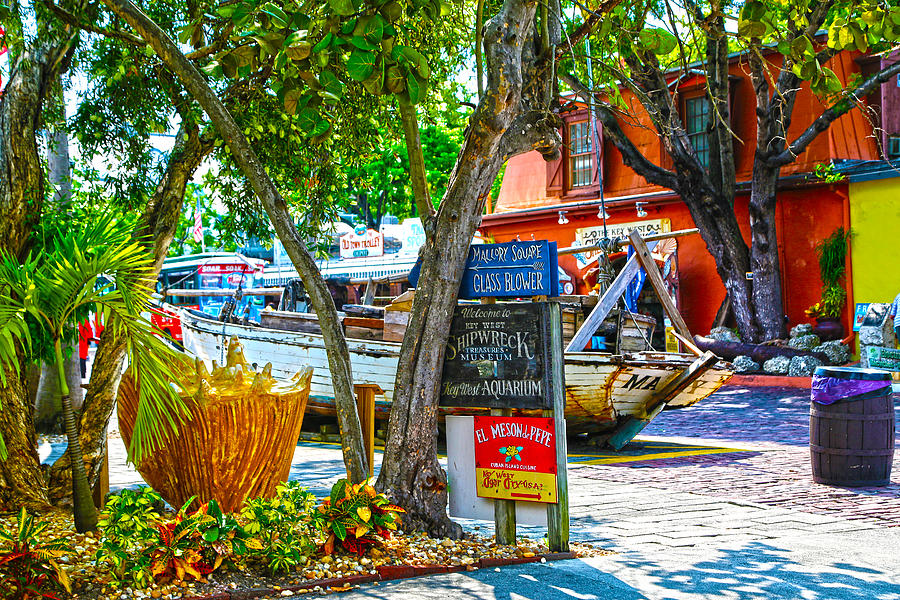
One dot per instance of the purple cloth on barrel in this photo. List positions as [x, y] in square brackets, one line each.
[828, 390]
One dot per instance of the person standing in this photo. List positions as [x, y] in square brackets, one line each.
[895, 312]
[85, 334]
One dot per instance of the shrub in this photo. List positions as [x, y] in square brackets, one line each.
[226, 539]
[128, 525]
[281, 527]
[356, 516]
[178, 549]
[27, 569]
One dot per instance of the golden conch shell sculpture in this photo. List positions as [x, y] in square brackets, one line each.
[240, 440]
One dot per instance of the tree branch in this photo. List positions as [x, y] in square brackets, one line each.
[67, 17]
[631, 155]
[279, 214]
[585, 28]
[824, 121]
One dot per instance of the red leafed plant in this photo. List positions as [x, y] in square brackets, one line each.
[357, 516]
[178, 550]
[27, 570]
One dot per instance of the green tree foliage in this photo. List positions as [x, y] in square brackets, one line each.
[104, 269]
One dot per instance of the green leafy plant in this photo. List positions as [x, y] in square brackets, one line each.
[356, 516]
[178, 550]
[128, 523]
[27, 568]
[827, 173]
[832, 253]
[283, 538]
[226, 539]
[104, 269]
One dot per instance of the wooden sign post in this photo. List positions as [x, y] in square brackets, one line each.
[507, 356]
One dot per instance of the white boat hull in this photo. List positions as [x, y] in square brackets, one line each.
[601, 388]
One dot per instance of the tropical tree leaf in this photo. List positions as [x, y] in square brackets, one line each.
[360, 64]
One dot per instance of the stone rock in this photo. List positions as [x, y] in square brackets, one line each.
[837, 352]
[805, 342]
[745, 364]
[723, 334]
[803, 366]
[777, 366]
[801, 329]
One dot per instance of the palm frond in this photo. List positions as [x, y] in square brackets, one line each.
[155, 366]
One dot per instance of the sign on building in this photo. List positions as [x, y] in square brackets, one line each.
[883, 358]
[590, 236]
[362, 242]
[498, 356]
[515, 458]
[511, 270]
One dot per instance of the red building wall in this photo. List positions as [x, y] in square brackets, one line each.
[805, 217]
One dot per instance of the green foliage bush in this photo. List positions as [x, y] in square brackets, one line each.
[27, 568]
[281, 527]
[356, 516]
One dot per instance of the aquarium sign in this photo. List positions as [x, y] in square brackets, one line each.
[498, 356]
[510, 270]
[515, 458]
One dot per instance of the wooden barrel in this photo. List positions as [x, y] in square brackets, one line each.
[852, 440]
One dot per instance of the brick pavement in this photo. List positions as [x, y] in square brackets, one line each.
[773, 423]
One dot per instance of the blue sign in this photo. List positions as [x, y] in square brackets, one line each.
[860, 315]
[510, 270]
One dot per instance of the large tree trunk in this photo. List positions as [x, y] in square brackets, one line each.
[501, 126]
[764, 261]
[277, 210]
[157, 224]
[21, 199]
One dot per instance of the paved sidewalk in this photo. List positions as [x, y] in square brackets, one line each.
[747, 523]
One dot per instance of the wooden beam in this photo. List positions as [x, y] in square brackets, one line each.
[369, 296]
[558, 514]
[271, 291]
[625, 242]
[504, 510]
[642, 252]
[607, 303]
[365, 407]
[689, 344]
[632, 425]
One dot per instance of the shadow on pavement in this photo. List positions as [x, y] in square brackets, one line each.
[758, 571]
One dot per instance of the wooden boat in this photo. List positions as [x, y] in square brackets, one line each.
[602, 389]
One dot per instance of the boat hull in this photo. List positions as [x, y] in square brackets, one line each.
[601, 389]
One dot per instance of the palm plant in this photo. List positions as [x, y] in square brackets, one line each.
[104, 269]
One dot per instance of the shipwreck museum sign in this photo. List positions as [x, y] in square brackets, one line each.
[497, 356]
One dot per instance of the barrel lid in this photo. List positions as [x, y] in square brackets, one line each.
[853, 373]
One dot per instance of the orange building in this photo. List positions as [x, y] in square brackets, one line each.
[560, 200]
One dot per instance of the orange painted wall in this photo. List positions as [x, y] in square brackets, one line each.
[850, 137]
[805, 217]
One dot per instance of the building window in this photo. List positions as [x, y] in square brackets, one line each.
[697, 116]
[893, 146]
[581, 163]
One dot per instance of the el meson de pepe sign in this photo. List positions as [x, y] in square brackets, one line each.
[497, 356]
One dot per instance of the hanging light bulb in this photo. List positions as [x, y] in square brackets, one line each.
[562, 218]
[602, 214]
[640, 209]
